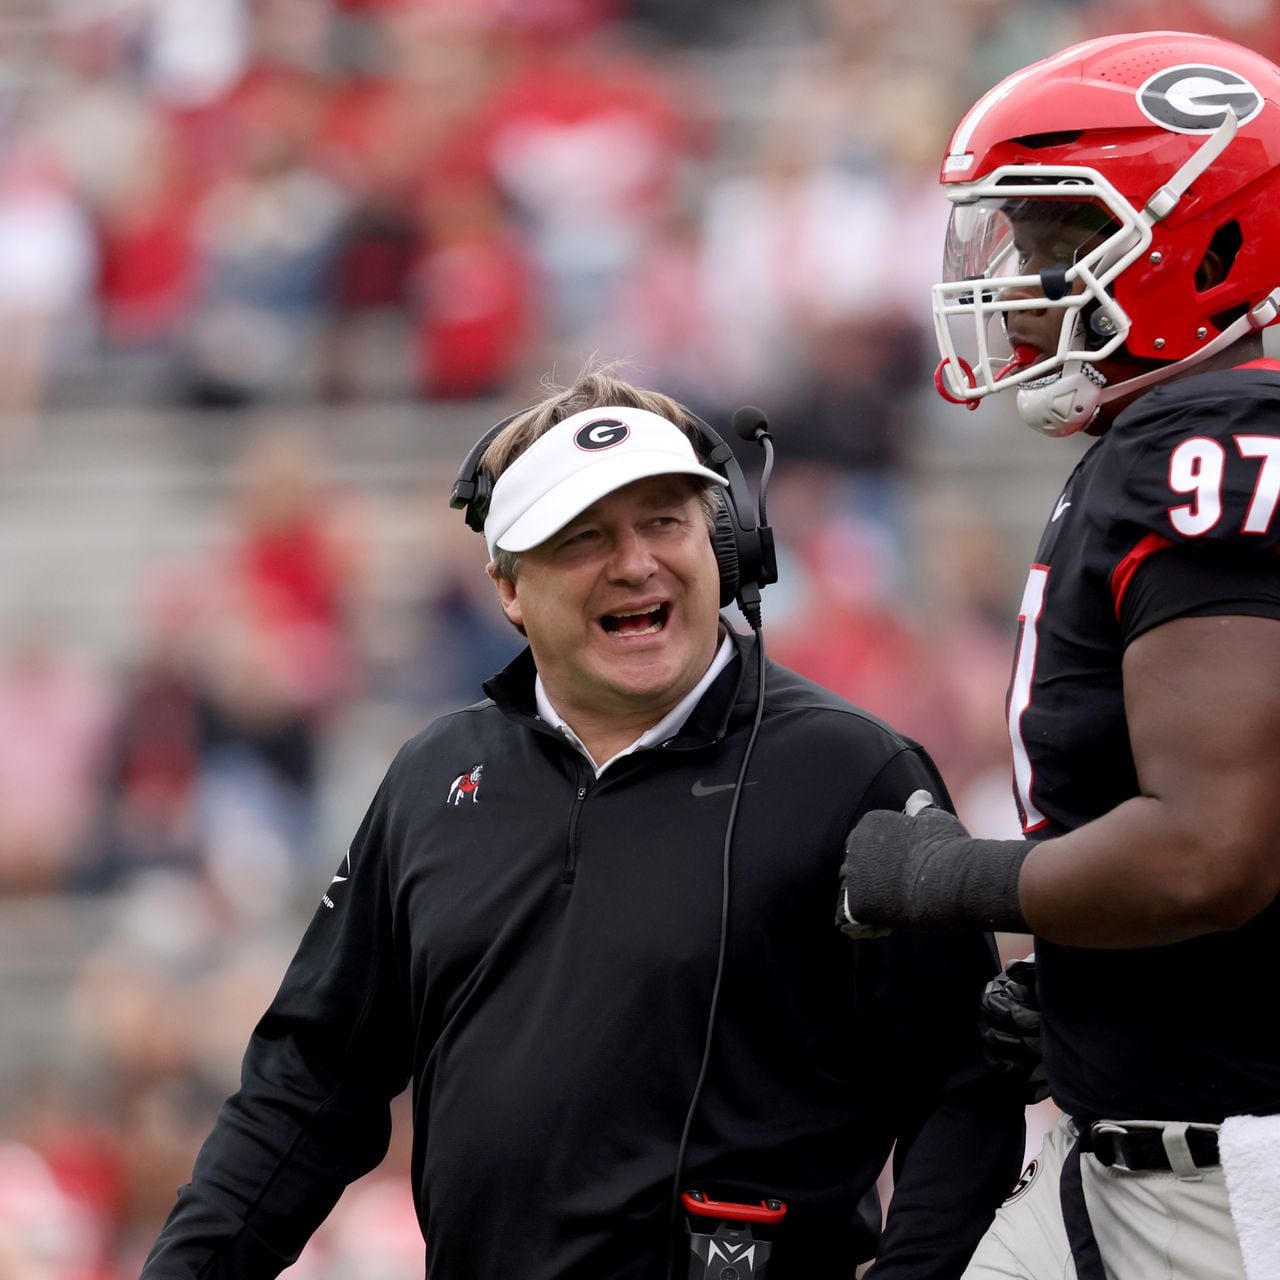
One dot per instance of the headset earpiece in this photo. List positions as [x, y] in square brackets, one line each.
[744, 548]
[478, 507]
[474, 485]
[724, 542]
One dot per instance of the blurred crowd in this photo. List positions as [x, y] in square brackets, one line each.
[230, 204]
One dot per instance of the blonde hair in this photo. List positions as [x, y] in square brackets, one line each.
[596, 388]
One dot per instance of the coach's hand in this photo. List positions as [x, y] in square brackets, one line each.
[920, 869]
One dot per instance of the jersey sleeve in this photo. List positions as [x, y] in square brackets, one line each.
[312, 1113]
[1198, 582]
[1192, 497]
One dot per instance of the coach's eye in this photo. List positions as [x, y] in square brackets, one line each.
[572, 539]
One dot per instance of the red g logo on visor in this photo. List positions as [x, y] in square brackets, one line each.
[601, 434]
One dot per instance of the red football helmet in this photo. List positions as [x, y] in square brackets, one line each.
[1140, 153]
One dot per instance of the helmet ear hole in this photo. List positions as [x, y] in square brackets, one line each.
[1099, 325]
[1218, 258]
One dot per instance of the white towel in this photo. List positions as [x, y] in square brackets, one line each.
[1250, 1151]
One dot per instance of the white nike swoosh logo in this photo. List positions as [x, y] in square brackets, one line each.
[342, 879]
[1063, 504]
[709, 789]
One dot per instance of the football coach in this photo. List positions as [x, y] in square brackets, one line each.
[588, 918]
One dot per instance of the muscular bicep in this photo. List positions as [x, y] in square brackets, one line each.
[1197, 850]
[1202, 698]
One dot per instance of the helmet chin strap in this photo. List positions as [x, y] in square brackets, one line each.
[1067, 402]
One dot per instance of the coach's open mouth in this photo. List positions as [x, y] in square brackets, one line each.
[636, 622]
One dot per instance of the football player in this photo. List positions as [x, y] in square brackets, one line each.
[1112, 257]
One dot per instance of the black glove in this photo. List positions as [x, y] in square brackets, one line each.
[1010, 1026]
[921, 869]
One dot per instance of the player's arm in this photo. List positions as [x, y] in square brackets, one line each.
[1199, 849]
[1197, 852]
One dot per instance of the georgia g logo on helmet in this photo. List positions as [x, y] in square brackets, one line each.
[601, 433]
[1195, 98]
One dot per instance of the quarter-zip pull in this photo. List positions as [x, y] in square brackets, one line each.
[571, 840]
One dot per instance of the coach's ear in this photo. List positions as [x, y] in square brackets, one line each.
[508, 597]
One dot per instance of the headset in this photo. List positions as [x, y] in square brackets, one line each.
[743, 544]
[746, 558]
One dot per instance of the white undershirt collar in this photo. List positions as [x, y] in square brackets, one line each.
[669, 725]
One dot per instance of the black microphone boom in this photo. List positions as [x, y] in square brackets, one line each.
[751, 424]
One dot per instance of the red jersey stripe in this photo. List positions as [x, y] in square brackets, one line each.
[1123, 573]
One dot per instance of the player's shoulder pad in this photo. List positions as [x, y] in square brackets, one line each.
[1198, 460]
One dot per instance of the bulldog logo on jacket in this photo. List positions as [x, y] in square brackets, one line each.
[466, 786]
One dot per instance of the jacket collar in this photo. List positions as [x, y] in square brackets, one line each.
[512, 691]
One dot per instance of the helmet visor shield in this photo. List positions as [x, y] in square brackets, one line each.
[998, 238]
[1019, 272]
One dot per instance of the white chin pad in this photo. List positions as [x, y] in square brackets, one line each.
[1063, 403]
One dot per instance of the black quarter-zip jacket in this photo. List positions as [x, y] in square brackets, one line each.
[534, 948]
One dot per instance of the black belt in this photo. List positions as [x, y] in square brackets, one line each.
[1113, 1143]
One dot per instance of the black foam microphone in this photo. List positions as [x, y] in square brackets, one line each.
[750, 423]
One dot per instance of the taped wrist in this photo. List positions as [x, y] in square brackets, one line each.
[927, 872]
[970, 882]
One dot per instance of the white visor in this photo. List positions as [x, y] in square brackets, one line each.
[578, 462]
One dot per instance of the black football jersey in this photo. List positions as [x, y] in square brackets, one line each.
[1172, 513]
